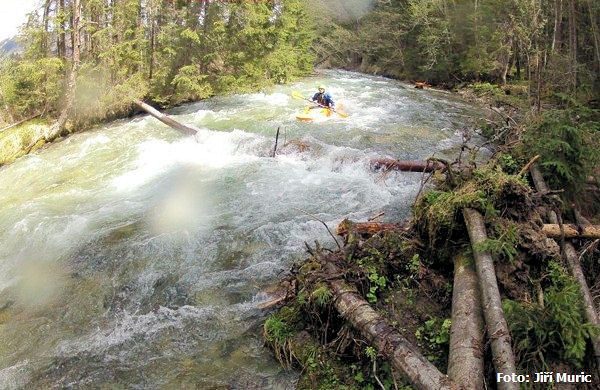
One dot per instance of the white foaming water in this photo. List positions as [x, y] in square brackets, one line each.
[274, 99]
[128, 326]
[14, 377]
[209, 149]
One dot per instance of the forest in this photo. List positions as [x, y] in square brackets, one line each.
[495, 271]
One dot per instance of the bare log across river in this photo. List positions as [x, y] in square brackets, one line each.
[167, 120]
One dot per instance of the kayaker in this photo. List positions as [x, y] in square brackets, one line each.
[323, 98]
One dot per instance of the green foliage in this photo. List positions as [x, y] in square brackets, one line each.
[376, 282]
[415, 264]
[487, 89]
[438, 211]
[568, 142]
[321, 295]
[503, 244]
[168, 52]
[370, 352]
[31, 86]
[276, 330]
[435, 332]
[553, 332]
[508, 163]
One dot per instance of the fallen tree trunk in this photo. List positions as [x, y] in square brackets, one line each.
[540, 185]
[167, 120]
[406, 166]
[571, 231]
[588, 302]
[386, 339]
[465, 364]
[497, 328]
[19, 122]
[370, 228]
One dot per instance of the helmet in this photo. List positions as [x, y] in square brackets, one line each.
[321, 86]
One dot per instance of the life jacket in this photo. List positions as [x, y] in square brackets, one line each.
[323, 99]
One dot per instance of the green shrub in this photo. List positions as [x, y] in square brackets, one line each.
[556, 331]
[568, 141]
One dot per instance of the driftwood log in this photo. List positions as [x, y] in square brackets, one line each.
[465, 364]
[404, 356]
[167, 120]
[571, 231]
[369, 228]
[406, 166]
[497, 328]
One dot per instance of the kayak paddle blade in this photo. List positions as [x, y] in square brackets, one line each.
[298, 95]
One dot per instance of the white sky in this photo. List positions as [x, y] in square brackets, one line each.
[12, 15]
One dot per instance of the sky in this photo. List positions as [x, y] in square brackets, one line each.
[12, 15]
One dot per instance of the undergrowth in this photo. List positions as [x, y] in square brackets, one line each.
[552, 330]
[568, 141]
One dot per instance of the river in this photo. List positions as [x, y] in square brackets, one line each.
[134, 257]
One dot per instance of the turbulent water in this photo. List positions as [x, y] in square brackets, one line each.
[134, 257]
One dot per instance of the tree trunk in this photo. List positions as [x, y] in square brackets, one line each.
[6, 107]
[45, 19]
[61, 41]
[573, 44]
[406, 166]
[556, 39]
[388, 341]
[465, 364]
[165, 118]
[571, 231]
[518, 62]
[152, 43]
[56, 128]
[595, 38]
[503, 357]
[370, 228]
[540, 185]
[19, 122]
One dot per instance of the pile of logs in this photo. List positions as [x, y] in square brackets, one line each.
[476, 309]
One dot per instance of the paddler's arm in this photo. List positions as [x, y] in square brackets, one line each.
[329, 100]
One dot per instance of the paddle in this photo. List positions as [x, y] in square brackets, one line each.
[297, 95]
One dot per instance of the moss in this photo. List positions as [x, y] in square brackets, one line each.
[436, 213]
[20, 140]
[321, 295]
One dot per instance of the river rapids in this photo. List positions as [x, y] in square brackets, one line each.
[134, 257]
